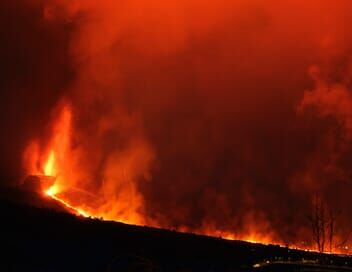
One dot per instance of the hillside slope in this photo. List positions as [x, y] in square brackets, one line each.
[42, 236]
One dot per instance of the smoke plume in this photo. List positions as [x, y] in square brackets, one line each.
[221, 117]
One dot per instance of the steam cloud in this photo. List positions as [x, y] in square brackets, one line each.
[219, 115]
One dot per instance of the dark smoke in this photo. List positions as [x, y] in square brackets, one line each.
[216, 105]
[34, 72]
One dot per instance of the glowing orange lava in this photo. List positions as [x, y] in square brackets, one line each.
[56, 160]
[50, 164]
[69, 206]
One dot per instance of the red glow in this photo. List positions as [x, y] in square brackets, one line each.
[183, 115]
[59, 145]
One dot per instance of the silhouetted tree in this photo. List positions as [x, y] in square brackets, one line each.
[323, 224]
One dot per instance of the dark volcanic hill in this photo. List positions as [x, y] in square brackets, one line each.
[42, 236]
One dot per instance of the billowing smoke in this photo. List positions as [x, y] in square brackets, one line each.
[212, 116]
[35, 70]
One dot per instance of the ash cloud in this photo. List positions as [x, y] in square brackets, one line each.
[208, 101]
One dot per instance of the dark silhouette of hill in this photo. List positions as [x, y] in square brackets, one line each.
[38, 234]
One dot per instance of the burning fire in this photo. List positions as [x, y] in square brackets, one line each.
[59, 160]
[49, 165]
[56, 161]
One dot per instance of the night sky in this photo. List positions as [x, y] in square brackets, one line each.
[202, 115]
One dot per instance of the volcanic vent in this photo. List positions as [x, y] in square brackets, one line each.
[227, 118]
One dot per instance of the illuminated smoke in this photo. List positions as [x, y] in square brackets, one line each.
[219, 117]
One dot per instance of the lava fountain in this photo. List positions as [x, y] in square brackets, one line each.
[57, 161]
[58, 158]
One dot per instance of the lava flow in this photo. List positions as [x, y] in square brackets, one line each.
[225, 118]
[57, 160]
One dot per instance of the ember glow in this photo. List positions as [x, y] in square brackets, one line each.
[49, 165]
[63, 172]
[225, 118]
[61, 189]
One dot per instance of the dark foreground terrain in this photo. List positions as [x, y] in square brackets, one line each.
[43, 237]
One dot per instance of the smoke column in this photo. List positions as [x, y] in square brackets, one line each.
[208, 116]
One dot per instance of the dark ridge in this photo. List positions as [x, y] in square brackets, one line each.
[38, 234]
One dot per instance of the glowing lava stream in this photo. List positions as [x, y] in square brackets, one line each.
[51, 193]
[49, 170]
[55, 164]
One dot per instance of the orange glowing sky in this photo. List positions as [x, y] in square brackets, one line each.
[218, 117]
